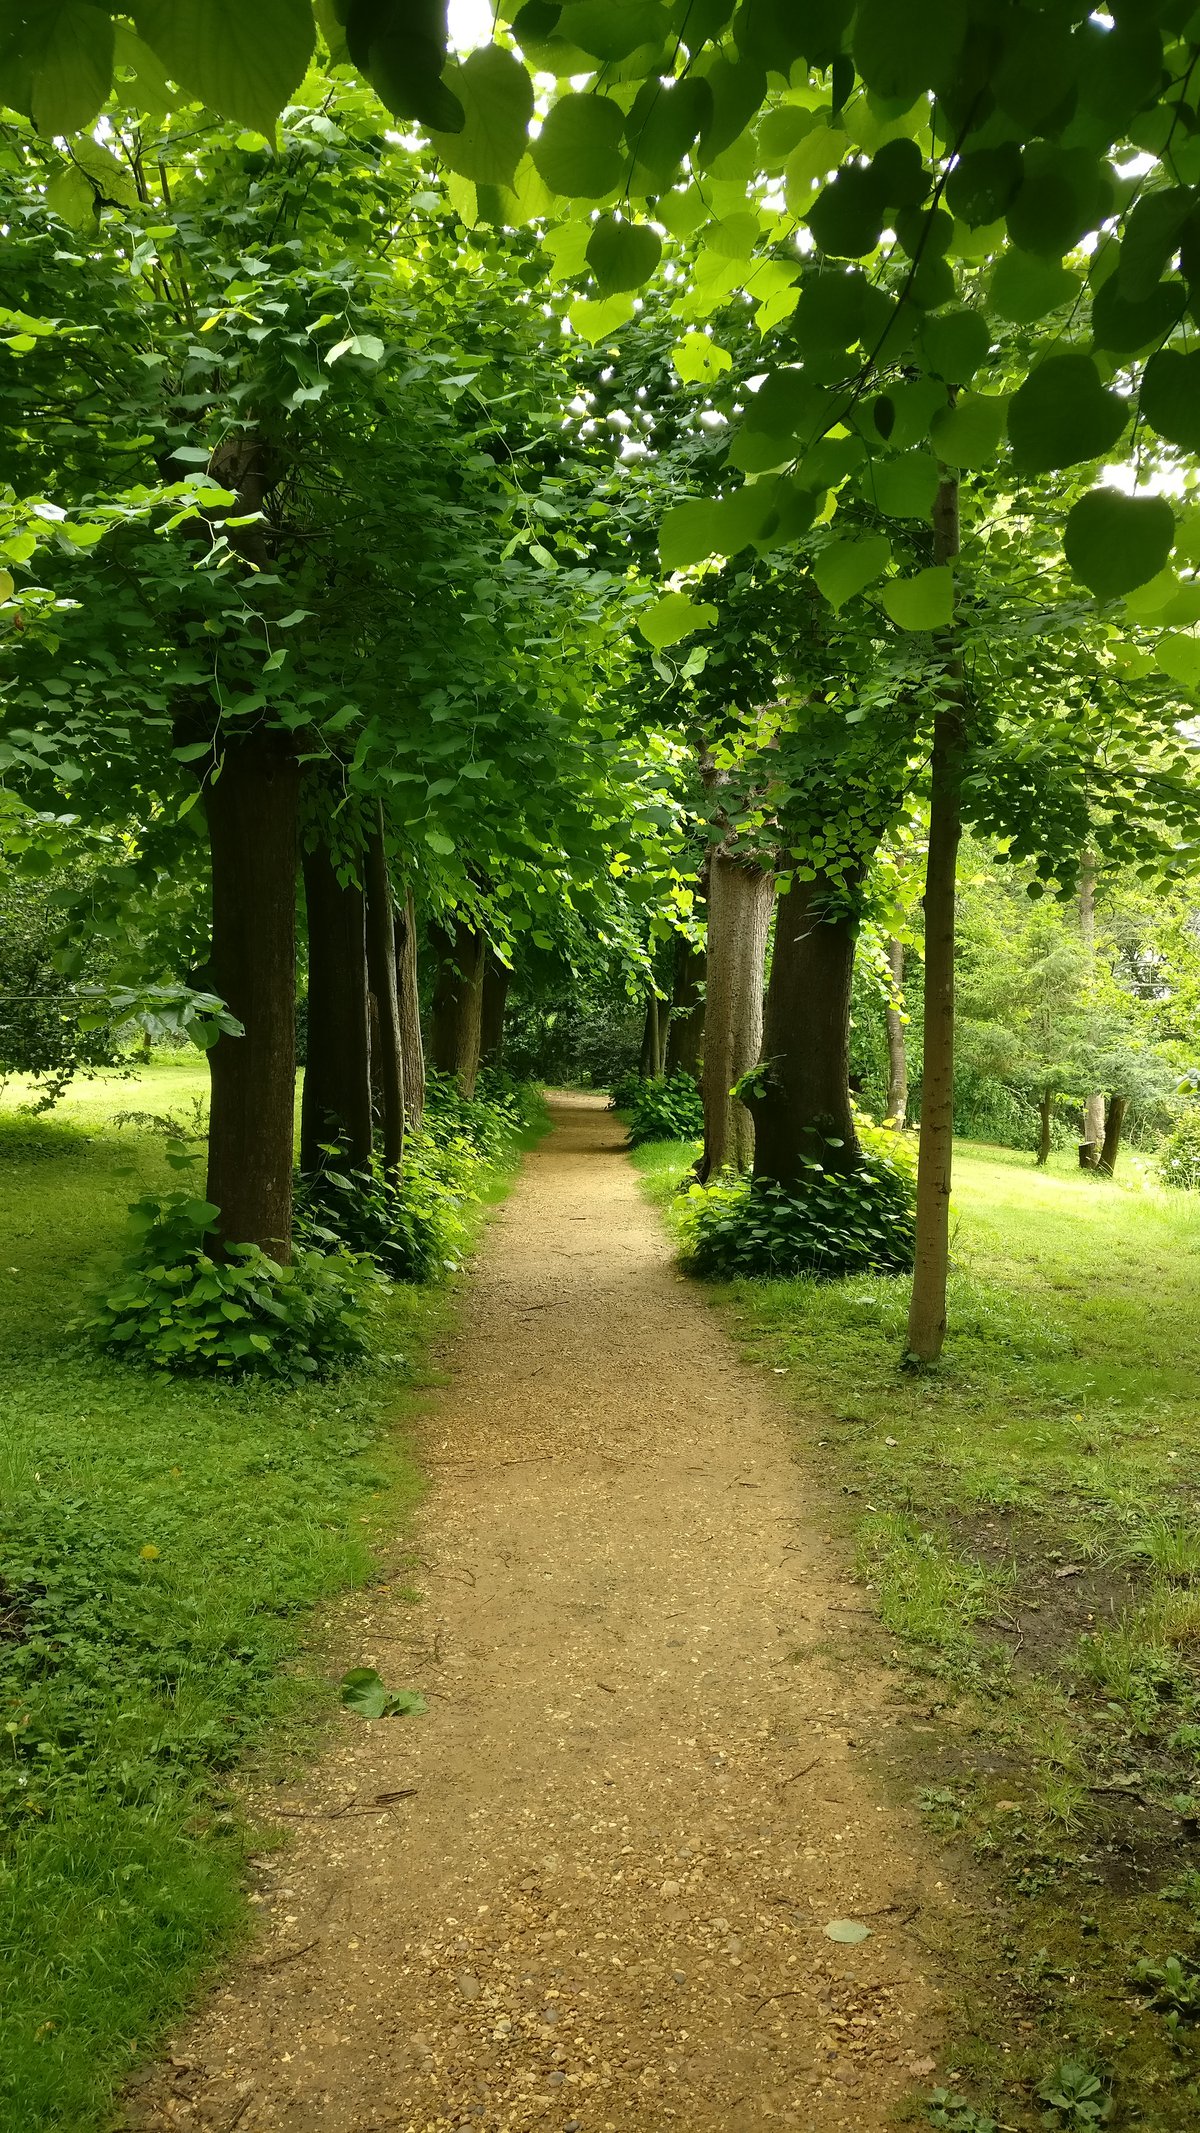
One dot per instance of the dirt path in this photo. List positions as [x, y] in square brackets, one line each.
[637, 1799]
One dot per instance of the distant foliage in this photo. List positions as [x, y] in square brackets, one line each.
[624, 1091]
[43, 1029]
[665, 1111]
[829, 1226]
[1179, 1156]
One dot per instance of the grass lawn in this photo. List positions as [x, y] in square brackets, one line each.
[160, 1542]
[1027, 1520]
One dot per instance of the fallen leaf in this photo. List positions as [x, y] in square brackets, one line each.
[847, 1930]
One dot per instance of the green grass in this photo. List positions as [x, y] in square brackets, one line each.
[1027, 1520]
[160, 1545]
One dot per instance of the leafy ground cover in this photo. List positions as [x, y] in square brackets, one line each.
[1027, 1523]
[161, 1541]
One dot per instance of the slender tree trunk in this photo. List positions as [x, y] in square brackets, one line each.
[497, 978]
[739, 917]
[1093, 1109]
[337, 1075]
[927, 1313]
[1117, 1107]
[454, 1032]
[1045, 1113]
[252, 811]
[412, 1050]
[802, 1111]
[685, 1038]
[381, 970]
[897, 1095]
[648, 1062]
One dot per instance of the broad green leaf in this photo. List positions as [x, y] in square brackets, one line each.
[622, 255]
[682, 213]
[567, 246]
[847, 219]
[496, 95]
[983, 183]
[1038, 66]
[1025, 289]
[365, 1693]
[69, 195]
[848, 567]
[698, 359]
[243, 61]
[737, 88]
[1062, 415]
[595, 322]
[673, 617]
[664, 123]
[1170, 400]
[1180, 658]
[923, 602]
[836, 310]
[899, 50]
[1125, 327]
[780, 133]
[969, 434]
[846, 1930]
[1065, 193]
[612, 29]
[955, 343]
[63, 49]
[818, 153]
[578, 151]
[903, 487]
[1115, 542]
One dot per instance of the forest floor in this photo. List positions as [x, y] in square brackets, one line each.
[589, 1891]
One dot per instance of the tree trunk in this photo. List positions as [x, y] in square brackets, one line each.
[648, 1060]
[801, 1109]
[739, 916]
[381, 970]
[1117, 1107]
[454, 1032]
[927, 1313]
[497, 978]
[252, 810]
[660, 1051]
[897, 1095]
[1045, 1112]
[685, 1038]
[336, 1105]
[412, 1050]
[1093, 1109]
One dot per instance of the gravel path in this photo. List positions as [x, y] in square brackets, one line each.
[636, 1798]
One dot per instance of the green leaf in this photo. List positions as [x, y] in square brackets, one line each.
[698, 359]
[903, 487]
[1062, 415]
[1170, 400]
[1024, 289]
[923, 602]
[689, 533]
[969, 434]
[1124, 326]
[1115, 542]
[611, 29]
[848, 567]
[818, 153]
[674, 617]
[595, 322]
[58, 63]
[243, 61]
[364, 1692]
[622, 255]
[955, 343]
[846, 1930]
[1066, 192]
[1180, 658]
[496, 95]
[899, 51]
[664, 123]
[847, 219]
[578, 151]
[983, 182]
[401, 49]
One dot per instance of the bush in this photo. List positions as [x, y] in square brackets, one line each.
[625, 1090]
[827, 1225]
[413, 1231]
[1179, 1156]
[178, 1307]
[665, 1111]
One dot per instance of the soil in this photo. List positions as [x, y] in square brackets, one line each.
[588, 1891]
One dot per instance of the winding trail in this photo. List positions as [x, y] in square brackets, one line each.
[638, 1797]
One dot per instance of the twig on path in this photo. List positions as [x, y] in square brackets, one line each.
[316, 1814]
[607, 1688]
[788, 1992]
[405, 1792]
[240, 2112]
[799, 1773]
[276, 1962]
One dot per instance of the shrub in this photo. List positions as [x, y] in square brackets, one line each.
[180, 1308]
[413, 1231]
[1179, 1156]
[665, 1111]
[827, 1224]
[624, 1092]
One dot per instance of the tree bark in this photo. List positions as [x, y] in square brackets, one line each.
[497, 978]
[454, 1032]
[1045, 1112]
[739, 916]
[927, 1313]
[412, 1050]
[252, 812]
[648, 1060]
[685, 1038]
[336, 1104]
[801, 1109]
[1117, 1107]
[897, 1095]
[381, 971]
[1093, 1109]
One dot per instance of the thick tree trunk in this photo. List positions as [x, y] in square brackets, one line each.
[387, 1055]
[739, 916]
[1045, 1113]
[412, 1050]
[648, 1059]
[252, 813]
[927, 1313]
[897, 1095]
[1117, 1107]
[685, 1038]
[336, 1105]
[497, 978]
[1093, 1109]
[454, 1032]
[802, 1110]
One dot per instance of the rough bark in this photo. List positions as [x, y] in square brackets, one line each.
[649, 1056]
[739, 915]
[1045, 1113]
[1093, 1109]
[455, 1024]
[1117, 1107]
[801, 1109]
[927, 1313]
[497, 978]
[897, 1095]
[387, 1054]
[336, 1104]
[252, 811]
[412, 1049]
[685, 1038]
